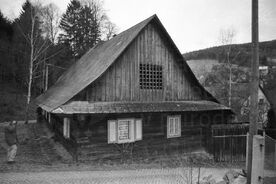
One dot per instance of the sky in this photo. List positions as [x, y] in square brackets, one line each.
[192, 24]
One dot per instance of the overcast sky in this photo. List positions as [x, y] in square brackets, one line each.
[192, 24]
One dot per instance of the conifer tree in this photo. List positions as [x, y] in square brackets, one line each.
[83, 25]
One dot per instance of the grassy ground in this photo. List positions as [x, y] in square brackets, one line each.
[270, 180]
[13, 103]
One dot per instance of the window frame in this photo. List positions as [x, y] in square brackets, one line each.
[135, 130]
[175, 133]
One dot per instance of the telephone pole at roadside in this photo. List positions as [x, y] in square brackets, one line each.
[254, 86]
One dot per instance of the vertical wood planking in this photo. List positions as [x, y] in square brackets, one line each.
[139, 62]
[103, 87]
[173, 76]
[146, 59]
[167, 74]
[133, 74]
[142, 60]
[110, 98]
[151, 57]
[127, 78]
[176, 79]
[108, 85]
[121, 81]
[182, 93]
[170, 76]
[118, 82]
[114, 84]
[156, 58]
[97, 92]
[165, 70]
[136, 69]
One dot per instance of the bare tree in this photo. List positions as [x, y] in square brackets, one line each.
[50, 16]
[28, 25]
[110, 29]
[226, 38]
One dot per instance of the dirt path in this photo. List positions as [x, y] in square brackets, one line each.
[147, 176]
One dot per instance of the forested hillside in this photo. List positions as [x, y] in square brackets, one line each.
[40, 44]
[239, 53]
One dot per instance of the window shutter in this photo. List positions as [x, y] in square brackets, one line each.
[177, 126]
[49, 117]
[132, 130]
[66, 128]
[112, 131]
[138, 129]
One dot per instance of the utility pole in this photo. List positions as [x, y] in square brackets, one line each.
[254, 87]
[46, 77]
[43, 77]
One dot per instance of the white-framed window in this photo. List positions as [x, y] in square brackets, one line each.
[173, 126]
[124, 130]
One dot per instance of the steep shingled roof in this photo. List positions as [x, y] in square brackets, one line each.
[94, 63]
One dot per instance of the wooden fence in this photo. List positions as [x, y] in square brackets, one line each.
[229, 142]
[270, 153]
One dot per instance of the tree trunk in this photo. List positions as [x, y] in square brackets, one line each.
[30, 73]
[29, 87]
[230, 80]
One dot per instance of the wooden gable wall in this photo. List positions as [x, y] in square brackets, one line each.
[121, 81]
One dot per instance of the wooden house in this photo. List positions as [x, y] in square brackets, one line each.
[133, 91]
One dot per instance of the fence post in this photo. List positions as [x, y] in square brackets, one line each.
[257, 172]
[246, 160]
[231, 148]
[274, 154]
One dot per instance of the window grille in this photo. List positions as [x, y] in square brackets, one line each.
[151, 76]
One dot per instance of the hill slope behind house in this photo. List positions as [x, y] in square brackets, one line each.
[201, 68]
[267, 50]
[13, 102]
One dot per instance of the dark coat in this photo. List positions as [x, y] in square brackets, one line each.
[10, 135]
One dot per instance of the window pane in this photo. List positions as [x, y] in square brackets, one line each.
[171, 126]
[174, 126]
[123, 130]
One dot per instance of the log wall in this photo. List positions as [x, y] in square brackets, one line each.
[91, 135]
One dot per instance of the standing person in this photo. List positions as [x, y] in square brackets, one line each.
[11, 140]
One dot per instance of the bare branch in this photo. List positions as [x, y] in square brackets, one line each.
[47, 58]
